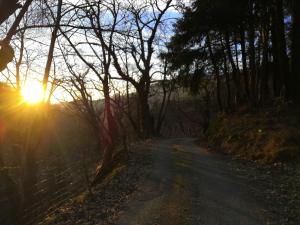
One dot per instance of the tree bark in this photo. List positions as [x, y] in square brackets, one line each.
[251, 50]
[147, 120]
[235, 70]
[19, 62]
[51, 48]
[244, 60]
[109, 128]
[6, 51]
[296, 49]
[217, 73]
[109, 135]
[280, 62]
[264, 86]
[7, 8]
[227, 79]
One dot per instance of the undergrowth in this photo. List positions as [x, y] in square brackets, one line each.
[269, 135]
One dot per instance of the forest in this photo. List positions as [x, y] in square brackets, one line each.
[149, 112]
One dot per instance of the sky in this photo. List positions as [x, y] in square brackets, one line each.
[37, 42]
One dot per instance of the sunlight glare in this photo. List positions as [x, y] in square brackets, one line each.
[32, 92]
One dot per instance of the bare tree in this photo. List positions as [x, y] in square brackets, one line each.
[54, 34]
[101, 46]
[166, 87]
[6, 51]
[137, 41]
[7, 8]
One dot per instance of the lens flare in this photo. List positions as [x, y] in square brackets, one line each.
[32, 92]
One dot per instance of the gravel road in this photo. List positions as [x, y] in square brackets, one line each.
[188, 185]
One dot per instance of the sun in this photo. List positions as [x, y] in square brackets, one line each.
[32, 92]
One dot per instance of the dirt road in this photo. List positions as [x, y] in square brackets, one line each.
[188, 185]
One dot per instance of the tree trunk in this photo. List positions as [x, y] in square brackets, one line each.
[235, 70]
[34, 136]
[147, 120]
[252, 63]
[244, 59]
[227, 78]
[264, 86]
[30, 175]
[281, 73]
[7, 8]
[6, 51]
[207, 109]
[109, 136]
[296, 50]
[128, 112]
[51, 48]
[236, 51]
[110, 129]
[19, 62]
[217, 73]
[168, 88]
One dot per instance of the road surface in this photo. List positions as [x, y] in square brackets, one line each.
[188, 186]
